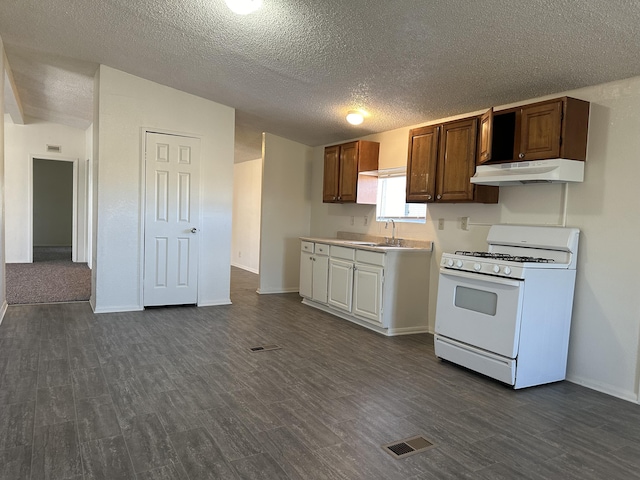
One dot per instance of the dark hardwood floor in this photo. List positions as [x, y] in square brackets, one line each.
[175, 393]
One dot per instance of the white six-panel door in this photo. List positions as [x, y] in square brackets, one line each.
[171, 219]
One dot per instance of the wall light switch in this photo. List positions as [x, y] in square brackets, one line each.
[366, 220]
[441, 224]
[352, 220]
[464, 223]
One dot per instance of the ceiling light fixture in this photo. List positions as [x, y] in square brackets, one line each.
[243, 7]
[355, 117]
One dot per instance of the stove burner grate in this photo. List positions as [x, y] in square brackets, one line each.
[504, 256]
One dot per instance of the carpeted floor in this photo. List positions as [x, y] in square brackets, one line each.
[51, 278]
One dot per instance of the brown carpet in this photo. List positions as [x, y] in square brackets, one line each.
[51, 278]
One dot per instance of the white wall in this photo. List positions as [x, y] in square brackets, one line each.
[285, 212]
[247, 193]
[3, 196]
[23, 142]
[604, 344]
[126, 104]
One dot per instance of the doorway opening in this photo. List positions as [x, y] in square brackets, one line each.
[55, 271]
[53, 200]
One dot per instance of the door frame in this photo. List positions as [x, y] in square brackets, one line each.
[74, 228]
[143, 207]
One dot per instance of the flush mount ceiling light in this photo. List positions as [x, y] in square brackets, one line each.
[243, 7]
[355, 117]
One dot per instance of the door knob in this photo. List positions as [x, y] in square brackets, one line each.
[194, 230]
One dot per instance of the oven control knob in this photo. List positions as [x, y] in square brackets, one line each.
[450, 263]
[477, 267]
[507, 270]
[496, 269]
[459, 263]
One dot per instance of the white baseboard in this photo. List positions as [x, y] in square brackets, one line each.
[244, 267]
[215, 303]
[604, 388]
[284, 290]
[116, 309]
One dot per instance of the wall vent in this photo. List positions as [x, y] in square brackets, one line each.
[54, 148]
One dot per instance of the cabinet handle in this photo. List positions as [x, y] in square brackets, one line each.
[428, 197]
[339, 198]
[334, 198]
[521, 155]
[439, 197]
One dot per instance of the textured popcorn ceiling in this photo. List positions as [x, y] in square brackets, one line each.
[296, 67]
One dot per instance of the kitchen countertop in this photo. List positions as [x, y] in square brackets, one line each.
[363, 242]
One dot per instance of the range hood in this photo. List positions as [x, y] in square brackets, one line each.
[557, 170]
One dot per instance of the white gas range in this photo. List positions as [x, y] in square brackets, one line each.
[506, 312]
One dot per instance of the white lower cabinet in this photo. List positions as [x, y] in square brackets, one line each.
[385, 291]
[320, 278]
[340, 283]
[314, 271]
[306, 274]
[367, 292]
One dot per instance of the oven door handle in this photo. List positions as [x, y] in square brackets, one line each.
[480, 277]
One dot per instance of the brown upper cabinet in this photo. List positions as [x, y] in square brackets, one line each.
[441, 162]
[550, 129]
[342, 182]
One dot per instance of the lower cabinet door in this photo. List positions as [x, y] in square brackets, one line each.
[320, 278]
[340, 284]
[306, 275]
[367, 292]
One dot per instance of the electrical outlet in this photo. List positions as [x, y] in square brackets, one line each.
[352, 220]
[464, 223]
[366, 220]
[441, 224]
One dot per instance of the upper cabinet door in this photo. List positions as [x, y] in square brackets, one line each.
[540, 130]
[485, 143]
[331, 172]
[457, 161]
[348, 172]
[421, 164]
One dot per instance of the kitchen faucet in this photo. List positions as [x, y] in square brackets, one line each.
[393, 229]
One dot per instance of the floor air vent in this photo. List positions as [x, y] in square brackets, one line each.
[264, 348]
[408, 446]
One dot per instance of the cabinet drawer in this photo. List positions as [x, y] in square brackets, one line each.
[322, 249]
[342, 252]
[307, 247]
[373, 258]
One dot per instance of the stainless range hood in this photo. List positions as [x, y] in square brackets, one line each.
[557, 170]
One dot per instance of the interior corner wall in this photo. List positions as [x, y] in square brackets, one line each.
[3, 289]
[93, 186]
[24, 142]
[126, 105]
[88, 213]
[286, 215]
[247, 193]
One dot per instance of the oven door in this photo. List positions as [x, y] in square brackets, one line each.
[480, 310]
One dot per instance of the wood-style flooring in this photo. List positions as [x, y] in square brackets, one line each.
[175, 393]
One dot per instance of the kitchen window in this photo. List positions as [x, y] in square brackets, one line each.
[391, 203]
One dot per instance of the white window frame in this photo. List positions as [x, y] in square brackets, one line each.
[380, 211]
